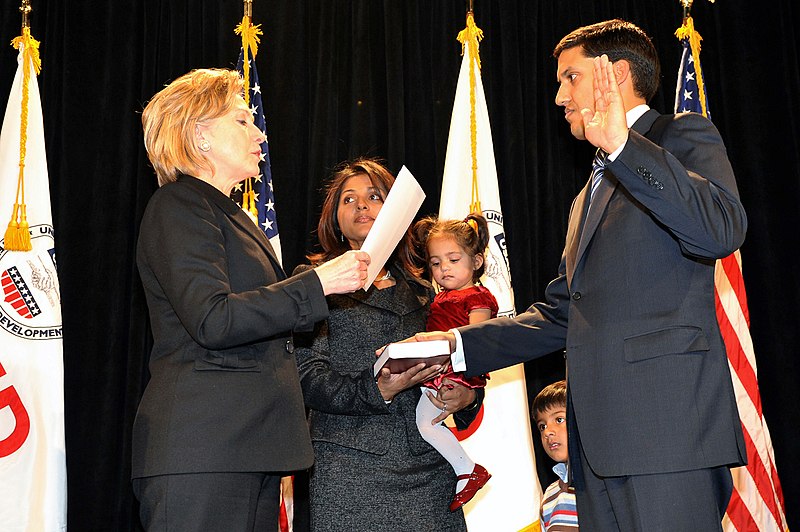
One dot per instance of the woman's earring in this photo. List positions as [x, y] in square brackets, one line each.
[341, 237]
[204, 145]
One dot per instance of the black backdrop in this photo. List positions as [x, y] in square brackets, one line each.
[345, 78]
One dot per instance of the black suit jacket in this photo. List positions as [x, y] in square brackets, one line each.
[224, 394]
[633, 305]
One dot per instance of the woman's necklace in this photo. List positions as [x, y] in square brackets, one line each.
[385, 277]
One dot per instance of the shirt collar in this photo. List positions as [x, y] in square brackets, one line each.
[636, 113]
[562, 471]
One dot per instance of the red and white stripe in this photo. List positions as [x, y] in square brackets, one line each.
[757, 500]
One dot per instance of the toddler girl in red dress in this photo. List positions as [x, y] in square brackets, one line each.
[454, 250]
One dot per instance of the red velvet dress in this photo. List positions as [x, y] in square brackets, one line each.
[450, 309]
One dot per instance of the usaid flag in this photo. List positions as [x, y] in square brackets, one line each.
[500, 437]
[33, 476]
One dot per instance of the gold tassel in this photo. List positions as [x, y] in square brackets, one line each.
[17, 236]
[469, 38]
[250, 40]
[686, 31]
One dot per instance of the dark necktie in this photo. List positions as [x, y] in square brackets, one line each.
[598, 166]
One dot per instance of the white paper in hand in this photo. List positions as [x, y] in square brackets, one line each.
[398, 211]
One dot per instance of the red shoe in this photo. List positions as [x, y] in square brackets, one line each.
[476, 480]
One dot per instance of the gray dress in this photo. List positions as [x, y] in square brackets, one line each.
[372, 470]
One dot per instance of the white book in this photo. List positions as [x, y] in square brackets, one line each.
[400, 356]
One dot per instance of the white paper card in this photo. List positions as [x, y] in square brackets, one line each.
[398, 211]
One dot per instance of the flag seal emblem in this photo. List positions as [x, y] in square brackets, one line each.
[30, 300]
[497, 267]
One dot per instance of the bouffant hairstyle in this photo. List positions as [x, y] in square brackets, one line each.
[172, 115]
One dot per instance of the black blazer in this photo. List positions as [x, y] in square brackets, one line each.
[224, 394]
[633, 305]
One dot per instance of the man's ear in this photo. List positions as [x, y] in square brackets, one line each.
[622, 71]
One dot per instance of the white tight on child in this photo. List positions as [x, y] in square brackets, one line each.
[442, 439]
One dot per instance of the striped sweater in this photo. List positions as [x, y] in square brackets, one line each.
[558, 511]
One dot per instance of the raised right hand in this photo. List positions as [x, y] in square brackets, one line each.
[344, 274]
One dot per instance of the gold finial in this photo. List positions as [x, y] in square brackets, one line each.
[25, 9]
[687, 8]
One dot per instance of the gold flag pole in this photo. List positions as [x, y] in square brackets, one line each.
[17, 236]
[250, 39]
[25, 8]
[687, 8]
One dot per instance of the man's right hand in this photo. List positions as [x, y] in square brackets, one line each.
[435, 335]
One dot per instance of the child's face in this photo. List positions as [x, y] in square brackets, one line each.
[451, 266]
[552, 426]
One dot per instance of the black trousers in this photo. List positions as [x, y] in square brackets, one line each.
[209, 502]
[671, 502]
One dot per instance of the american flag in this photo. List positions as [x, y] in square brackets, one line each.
[261, 203]
[687, 94]
[757, 500]
[261, 185]
[17, 294]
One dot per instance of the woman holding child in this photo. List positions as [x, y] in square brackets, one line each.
[373, 470]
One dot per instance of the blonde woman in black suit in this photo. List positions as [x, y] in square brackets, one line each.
[222, 416]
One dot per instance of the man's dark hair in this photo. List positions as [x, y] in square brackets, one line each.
[619, 39]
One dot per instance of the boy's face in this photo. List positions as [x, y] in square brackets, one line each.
[552, 426]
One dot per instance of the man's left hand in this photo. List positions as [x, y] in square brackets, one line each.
[451, 398]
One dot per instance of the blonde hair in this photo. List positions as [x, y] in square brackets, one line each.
[171, 117]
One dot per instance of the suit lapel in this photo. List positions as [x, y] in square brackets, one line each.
[581, 228]
[237, 218]
[243, 221]
[574, 228]
[583, 224]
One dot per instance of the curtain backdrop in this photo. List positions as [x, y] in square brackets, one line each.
[346, 78]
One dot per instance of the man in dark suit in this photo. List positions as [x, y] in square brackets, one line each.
[652, 418]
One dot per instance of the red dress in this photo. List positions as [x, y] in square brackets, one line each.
[450, 309]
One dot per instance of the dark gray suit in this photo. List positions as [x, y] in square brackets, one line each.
[224, 393]
[633, 305]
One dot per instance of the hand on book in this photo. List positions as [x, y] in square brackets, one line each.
[390, 384]
[435, 335]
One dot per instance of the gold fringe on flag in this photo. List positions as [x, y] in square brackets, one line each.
[17, 236]
[250, 40]
[469, 38]
[686, 31]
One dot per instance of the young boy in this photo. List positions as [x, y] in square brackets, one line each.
[558, 511]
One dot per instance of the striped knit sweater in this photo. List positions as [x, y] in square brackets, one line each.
[558, 511]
